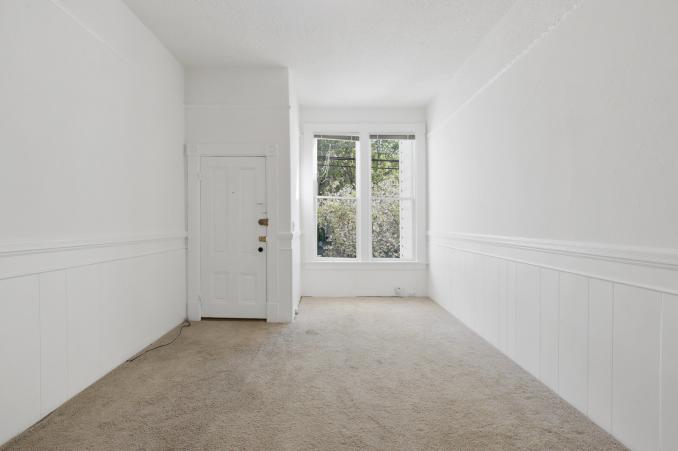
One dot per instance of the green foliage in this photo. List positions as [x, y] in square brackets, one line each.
[336, 167]
[337, 228]
[385, 168]
[385, 228]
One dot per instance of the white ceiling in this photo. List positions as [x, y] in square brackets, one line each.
[341, 52]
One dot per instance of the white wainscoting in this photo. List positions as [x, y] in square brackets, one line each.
[597, 327]
[71, 312]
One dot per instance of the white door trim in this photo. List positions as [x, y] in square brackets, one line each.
[275, 241]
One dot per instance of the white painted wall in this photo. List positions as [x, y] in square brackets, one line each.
[92, 240]
[361, 114]
[295, 194]
[356, 279]
[244, 112]
[363, 278]
[578, 139]
[553, 219]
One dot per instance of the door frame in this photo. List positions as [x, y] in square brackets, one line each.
[194, 153]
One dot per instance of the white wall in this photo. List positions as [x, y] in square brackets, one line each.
[295, 195]
[92, 236]
[553, 219]
[364, 278]
[355, 279]
[361, 114]
[245, 112]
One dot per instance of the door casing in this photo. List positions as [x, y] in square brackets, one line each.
[279, 237]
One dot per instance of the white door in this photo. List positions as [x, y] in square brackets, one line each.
[233, 259]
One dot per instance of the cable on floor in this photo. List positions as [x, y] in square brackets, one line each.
[184, 325]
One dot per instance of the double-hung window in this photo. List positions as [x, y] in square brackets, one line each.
[364, 205]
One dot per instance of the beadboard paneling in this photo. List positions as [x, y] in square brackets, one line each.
[548, 344]
[636, 389]
[601, 311]
[65, 329]
[19, 354]
[669, 372]
[572, 342]
[53, 340]
[606, 347]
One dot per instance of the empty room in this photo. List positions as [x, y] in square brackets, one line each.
[339, 225]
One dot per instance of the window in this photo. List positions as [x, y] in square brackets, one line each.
[364, 203]
[336, 196]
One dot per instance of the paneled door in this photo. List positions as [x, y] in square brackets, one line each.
[233, 229]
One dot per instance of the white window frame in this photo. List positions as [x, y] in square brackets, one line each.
[363, 187]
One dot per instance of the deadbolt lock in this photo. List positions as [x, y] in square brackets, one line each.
[263, 222]
[262, 239]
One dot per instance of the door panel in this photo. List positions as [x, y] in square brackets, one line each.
[233, 271]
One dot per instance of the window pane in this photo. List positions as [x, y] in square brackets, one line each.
[336, 233]
[386, 228]
[385, 168]
[336, 166]
[392, 228]
[392, 167]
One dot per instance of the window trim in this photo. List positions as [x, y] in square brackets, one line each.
[363, 193]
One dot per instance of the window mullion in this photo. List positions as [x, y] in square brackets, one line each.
[364, 193]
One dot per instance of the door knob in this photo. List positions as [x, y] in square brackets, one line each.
[263, 221]
[262, 239]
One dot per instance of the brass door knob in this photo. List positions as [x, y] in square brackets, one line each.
[263, 222]
[262, 239]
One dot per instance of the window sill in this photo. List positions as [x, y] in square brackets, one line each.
[365, 265]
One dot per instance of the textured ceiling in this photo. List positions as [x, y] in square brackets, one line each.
[342, 52]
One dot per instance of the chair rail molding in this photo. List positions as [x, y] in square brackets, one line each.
[26, 258]
[634, 255]
[38, 247]
[652, 268]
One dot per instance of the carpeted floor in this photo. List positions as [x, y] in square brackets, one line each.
[373, 373]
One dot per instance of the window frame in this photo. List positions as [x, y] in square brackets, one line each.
[309, 195]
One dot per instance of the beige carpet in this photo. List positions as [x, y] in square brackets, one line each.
[347, 374]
